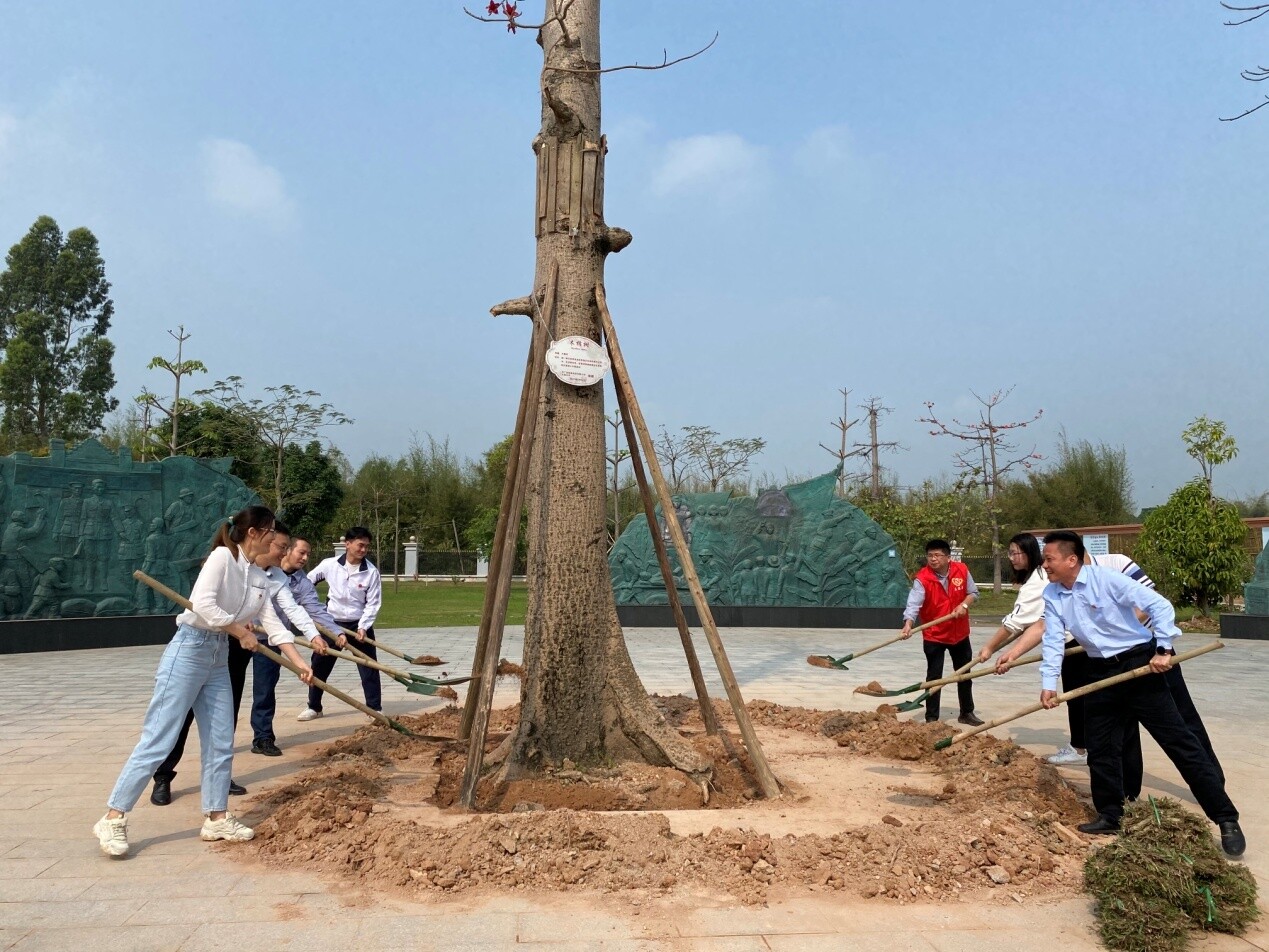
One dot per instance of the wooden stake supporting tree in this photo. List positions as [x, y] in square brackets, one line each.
[581, 698]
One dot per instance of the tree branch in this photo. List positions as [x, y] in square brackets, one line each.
[664, 64]
[522, 306]
[1247, 113]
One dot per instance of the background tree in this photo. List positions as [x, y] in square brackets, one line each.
[672, 455]
[932, 510]
[987, 457]
[614, 457]
[314, 489]
[55, 310]
[1257, 74]
[875, 446]
[1253, 505]
[1194, 547]
[716, 460]
[179, 369]
[841, 452]
[1084, 485]
[288, 415]
[1208, 442]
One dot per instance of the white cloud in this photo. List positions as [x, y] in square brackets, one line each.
[826, 149]
[234, 177]
[722, 165]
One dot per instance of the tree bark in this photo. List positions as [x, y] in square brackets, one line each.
[581, 698]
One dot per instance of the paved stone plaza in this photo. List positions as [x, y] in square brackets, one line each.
[68, 721]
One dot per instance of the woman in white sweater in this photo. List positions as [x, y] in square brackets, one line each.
[1028, 607]
[230, 593]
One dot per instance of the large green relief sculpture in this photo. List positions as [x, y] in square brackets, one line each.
[800, 545]
[77, 524]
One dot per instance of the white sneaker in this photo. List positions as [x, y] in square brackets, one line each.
[112, 835]
[226, 828]
[1068, 756]
[308, 714]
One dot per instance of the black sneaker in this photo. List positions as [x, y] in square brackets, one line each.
[1232, 840]
[161, 795]
[1102, 826]
[236, 789]
[972, 719]
[266, 747]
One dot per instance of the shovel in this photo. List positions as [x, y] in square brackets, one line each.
[934, 684]
[414, 683]
[1141, 672]
[828, 661]
[938, 685]
[426, 661]
[178, 599]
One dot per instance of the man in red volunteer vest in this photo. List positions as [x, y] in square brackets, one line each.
[943, 587]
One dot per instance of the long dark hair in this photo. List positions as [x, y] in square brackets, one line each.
[233, 532]
[1031, 549]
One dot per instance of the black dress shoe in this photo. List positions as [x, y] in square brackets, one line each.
[1102, 826]
[266, 747]
[236, 789]
[972, 719]
[161, 795]
[1232, 840]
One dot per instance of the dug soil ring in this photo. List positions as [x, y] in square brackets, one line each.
[869, 808]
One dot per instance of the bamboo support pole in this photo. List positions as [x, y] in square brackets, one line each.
[621, 379]
[509, 523]
[708, 717]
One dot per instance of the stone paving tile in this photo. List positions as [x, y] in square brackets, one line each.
[46, 823]
[168, 938]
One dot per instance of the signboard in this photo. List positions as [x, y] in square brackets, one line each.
[1264, 536]
[1097, 543]
[578, 361]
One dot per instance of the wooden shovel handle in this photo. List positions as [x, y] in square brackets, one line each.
[1085, 690]
[179, 599]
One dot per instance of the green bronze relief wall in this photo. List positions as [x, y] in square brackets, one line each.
[799, 545]
[77, 523]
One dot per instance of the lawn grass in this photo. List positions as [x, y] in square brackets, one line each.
[441, 604]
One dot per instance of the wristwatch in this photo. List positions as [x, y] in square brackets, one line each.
[1160, 650]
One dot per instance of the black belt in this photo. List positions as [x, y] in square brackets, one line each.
[1145, 648]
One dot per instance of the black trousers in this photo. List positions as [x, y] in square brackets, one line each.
[323, 665]
[960, 653]
[1077, 672]
[1114, 711]
[239, 658]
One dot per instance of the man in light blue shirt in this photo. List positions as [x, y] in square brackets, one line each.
[1098, 607]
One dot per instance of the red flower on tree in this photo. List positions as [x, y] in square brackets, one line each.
[494, 7]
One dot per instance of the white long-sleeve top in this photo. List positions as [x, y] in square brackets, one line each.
[351, 592]
[1028, 607]
[232, 589]
[285, 604]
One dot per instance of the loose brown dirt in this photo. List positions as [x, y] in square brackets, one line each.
[869, 808]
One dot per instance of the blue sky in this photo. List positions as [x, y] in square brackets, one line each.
[913, 201]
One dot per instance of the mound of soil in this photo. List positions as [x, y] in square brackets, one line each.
[983, 815]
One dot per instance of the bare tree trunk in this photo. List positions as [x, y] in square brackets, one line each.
[580, 697]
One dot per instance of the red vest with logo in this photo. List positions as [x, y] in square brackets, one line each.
[939, 603]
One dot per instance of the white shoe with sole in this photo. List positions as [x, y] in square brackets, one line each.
[1068, 756]
[226, 828]
[112, 835]
[308, 714]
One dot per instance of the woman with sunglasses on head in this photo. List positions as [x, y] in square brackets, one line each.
[231, 591]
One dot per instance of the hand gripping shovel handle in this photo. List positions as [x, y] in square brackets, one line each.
[1077, 693]
[1027, 659]
[177, 598]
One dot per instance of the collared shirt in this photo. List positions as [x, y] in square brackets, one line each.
[1099, 610]
[231, 589]
[916, 596]
[1028, 607]
[305, 594]
[287, 609]
[352, 592]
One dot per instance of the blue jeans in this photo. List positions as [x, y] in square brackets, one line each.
[264, 702]
[192, 675]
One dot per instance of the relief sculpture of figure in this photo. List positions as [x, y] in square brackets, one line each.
[95, 527]
[68, 521]
[181, 524]
[51, 582]
[131, 551]
[10, 590]
[156, 555]
[17, 533]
